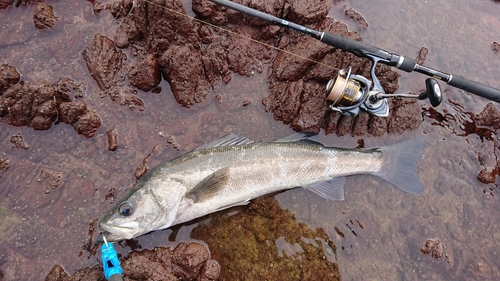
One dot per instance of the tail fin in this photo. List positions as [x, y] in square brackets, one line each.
[399, 163]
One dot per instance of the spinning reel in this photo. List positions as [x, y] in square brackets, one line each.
[349, 92]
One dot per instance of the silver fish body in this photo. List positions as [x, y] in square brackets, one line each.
[232, 171]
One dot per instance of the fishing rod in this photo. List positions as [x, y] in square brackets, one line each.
[348, 92]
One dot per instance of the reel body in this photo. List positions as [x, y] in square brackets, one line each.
[348, 93]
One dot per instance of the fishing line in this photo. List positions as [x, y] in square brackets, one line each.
[347, 92]
[237, 34]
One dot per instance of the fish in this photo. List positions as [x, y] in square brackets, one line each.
[233, 170]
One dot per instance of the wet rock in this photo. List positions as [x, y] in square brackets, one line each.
[149, 265]
[361, 122]
[210, 271]
[57, 274]
[68, 86]
[244, 56]
[141, 169]
[4, 164]
[125, 96]
[145, 74]
[176, 40]
[344, 125]
[18, 142]
[485, 176]
[51, 179]
[4, 4]
[186, 262]
[433, 246]
[331, 122]
[87, 124]
[404, 115]
[97, 7]
[495, 46]
[105, 64]
[195, 59]
[70, 112]
[305, 11]
[246, 245]
[8, 77]
[122, 34]
[490, 116]
[29, 104]
[310, 115]
[422, 55]
[112, 140]
[120, 8]
[173, 38]
[362, 24]
[182, 67]
[169, 36]
[44, 16]
[221, 15]
[40, 104]
[88, 273]
[171, 140]
[103, 61]
[301, 104]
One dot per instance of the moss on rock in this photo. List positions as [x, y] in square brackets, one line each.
[265, 242]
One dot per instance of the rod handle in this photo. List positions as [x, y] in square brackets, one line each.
[356, 47]
[361, 49]
[475, 88]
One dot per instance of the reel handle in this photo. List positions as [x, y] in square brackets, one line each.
[433, 92]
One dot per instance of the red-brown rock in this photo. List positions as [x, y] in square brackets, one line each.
[43, 16]
[145, 75]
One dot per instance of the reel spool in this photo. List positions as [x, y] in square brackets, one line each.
[343, 90]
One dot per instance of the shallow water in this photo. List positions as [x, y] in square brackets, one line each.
[383, 228]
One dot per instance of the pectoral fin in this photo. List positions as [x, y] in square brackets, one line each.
[332, 189]
[210, 186]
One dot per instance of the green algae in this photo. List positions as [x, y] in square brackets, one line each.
[265, 242]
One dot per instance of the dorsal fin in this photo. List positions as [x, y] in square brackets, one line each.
[227, 140]
[300, 137]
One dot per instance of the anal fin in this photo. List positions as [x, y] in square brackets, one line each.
[331, 189]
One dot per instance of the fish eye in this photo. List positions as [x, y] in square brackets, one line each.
[125, 209]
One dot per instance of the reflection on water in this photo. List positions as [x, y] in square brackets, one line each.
[378, 230]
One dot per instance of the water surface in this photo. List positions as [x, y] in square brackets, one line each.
[383, 228]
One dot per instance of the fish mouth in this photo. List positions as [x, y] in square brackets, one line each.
[119, 231]
[110, 237]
